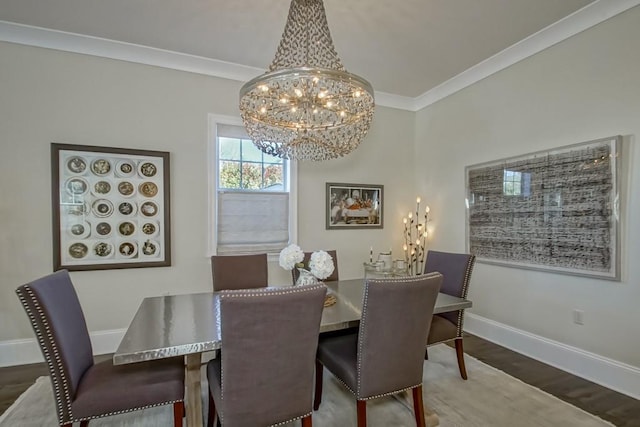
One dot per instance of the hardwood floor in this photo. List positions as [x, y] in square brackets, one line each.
[619, 409]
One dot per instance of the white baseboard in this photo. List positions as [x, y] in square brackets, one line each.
[609, 373]
[598, 369]
[26, 351]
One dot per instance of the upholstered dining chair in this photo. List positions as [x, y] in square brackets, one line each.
[239, 271]
[307, 257]
[456, 270]
[396, 315]
[265, 374]
[84, 390]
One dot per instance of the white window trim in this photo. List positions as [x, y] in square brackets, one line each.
[213, 162]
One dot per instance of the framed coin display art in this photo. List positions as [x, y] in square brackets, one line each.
[110, 208]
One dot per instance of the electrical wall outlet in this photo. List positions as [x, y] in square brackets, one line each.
[578, 317]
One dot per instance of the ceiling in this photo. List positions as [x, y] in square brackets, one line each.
[404, 48]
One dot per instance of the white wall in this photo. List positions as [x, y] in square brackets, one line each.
[51, 96]
[584, 88]
[581, 89]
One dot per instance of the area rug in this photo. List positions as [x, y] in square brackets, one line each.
[488, 398]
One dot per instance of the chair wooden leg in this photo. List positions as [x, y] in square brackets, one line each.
[306, 421]
[317, 399]
[460, 353]
[418, 406]
[84, 423]
[362, 413]
[426, 353]
[178, 413]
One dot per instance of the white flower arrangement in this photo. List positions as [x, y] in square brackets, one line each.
[290, 256]
[321, 265]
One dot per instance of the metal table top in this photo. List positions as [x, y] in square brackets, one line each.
[176, 325]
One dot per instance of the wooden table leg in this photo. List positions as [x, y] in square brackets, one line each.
[430, 417]
[194, 390]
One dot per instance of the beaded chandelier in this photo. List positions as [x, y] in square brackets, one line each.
[307, 106]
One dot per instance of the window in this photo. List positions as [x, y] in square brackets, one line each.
[516, 183]
[241, 165]
[252, 208]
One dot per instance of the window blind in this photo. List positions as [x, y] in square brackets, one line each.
[252, 222]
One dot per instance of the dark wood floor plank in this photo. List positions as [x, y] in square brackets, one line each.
[617, 408]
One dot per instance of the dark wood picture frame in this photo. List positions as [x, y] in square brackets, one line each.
[110, 207]
[354, 206]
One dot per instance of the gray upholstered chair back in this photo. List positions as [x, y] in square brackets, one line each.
[270, 340]
[456, 270]
[239, 271]
[307, 257]
[56, 316]
[396, 317]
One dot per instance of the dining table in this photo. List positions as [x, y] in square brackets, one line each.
[189, 324]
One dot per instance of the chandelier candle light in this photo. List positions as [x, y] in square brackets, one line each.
[307, 106]
[415, 239]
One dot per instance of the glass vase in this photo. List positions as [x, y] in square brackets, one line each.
[305, 277]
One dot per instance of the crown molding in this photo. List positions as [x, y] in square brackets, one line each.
[105, 48]
[588, 16]
[580, 20]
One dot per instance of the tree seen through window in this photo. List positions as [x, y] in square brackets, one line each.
[243, 166]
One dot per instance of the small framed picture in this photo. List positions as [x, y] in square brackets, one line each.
[110, 208]
[354, 206]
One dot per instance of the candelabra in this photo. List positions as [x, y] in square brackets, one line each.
[415, 240]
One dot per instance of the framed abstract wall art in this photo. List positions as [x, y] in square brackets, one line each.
[110, 208]
[555, 210]
[354, 206]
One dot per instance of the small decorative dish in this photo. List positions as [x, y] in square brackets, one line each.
[76, 165]
[101, 188]
[149, 209]
[80, 230]
[128, 249]
[78, 250]
[126, 188]
[150, 248]
[102, 208]
[150, 229]
[76, 186]
[103, 249]
[148, 189]
[125, 169]
[101, 167]
[127, 208]
[126, 228]
[147, 169]
[103, 229]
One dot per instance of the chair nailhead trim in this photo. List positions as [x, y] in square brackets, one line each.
[63, 418]
[124, 411]
[288, 421]
[465, 290]
[364, 330]
[246, 293]
[56, 369]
